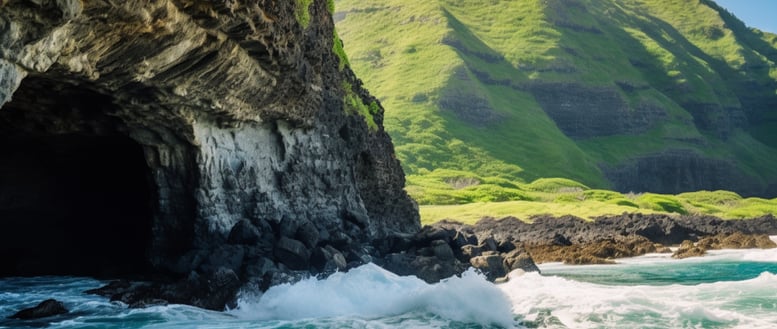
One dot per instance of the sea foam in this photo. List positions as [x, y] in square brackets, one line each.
[733, 304]
[372, 292]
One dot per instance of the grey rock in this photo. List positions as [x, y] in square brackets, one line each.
[489, 244]
[238, 142]
[308, 234]
[519, 259]
[491, 265]
[226, 256]
[442, 250]
[470, 251]
[243, 232]
[292, 253]
[46, 308]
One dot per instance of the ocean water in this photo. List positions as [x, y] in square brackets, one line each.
[728, 289]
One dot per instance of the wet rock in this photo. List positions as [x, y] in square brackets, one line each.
[489, 244]
[243, 232]
[462, 239]
[112, 288]
[470, 251]
[308, 234]
[226, 256]
[492, 266]
[442, 250]
[46, 308]
[292, 253]
[598, 252]
[688, 249]
[242, 141]
[519, 259]
[737, 240]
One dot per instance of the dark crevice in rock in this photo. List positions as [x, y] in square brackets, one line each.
[75, 192]
[218, 126]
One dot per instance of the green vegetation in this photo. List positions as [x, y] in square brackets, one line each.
[303, 12]
[355, 105]
[330, 6]
[467, 197]
[337, 48]
[591, 203]
[461, 81]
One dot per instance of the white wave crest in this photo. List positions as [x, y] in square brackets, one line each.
[372, 292]
[588, 305]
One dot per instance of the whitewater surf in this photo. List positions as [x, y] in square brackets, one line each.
[727, 289]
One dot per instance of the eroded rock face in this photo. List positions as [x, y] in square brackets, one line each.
[689, 170]
[238, 110]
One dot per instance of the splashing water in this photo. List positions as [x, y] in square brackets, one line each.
[365, 297]
[729, 289]
[725, 290]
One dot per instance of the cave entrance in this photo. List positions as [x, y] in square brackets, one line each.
[73, 200]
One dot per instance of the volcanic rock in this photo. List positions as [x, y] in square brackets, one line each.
[46, 308]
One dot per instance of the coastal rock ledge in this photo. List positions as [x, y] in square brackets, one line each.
[216, 143]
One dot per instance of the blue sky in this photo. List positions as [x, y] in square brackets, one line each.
[761, 14]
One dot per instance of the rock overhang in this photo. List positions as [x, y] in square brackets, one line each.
[238, 110]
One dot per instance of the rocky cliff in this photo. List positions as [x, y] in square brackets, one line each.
[192, 138]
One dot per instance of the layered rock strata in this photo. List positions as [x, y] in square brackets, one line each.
[243, 160]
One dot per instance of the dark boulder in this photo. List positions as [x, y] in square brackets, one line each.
[442, 250]
[519, 259]
[292, 253]
[491, 265]
[226, 256]
[46, 308]
[308, 234]
[244, 233]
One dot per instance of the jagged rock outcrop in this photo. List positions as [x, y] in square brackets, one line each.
[446, 249]
[736, 240]
[194, 138]
[572, 240]
[46, 308]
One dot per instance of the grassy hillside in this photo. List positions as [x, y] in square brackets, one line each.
[512, 91]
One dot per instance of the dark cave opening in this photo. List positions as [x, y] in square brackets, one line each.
[73, 205]
[75, 191]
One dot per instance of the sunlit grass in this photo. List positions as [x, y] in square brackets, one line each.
[592, 203]
[673, 52]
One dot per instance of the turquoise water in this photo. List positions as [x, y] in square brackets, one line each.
[729, 289]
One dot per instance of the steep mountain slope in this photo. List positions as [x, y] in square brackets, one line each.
[662, 96]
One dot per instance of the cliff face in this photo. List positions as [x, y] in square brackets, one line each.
[187, 136]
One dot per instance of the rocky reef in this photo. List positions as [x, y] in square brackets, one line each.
[205, 142]
[573, 240]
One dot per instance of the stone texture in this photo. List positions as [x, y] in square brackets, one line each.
[46, 308]
[237, 110]
[583, 112]
[573, 240]
[735, 240]
[603, 251]
[676, 170]
[292, 253]
[492, 266]
[689, 249]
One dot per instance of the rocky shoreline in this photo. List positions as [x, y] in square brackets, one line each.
[573, 240]
[495, 247]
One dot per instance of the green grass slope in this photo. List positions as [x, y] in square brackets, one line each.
[484, 97]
